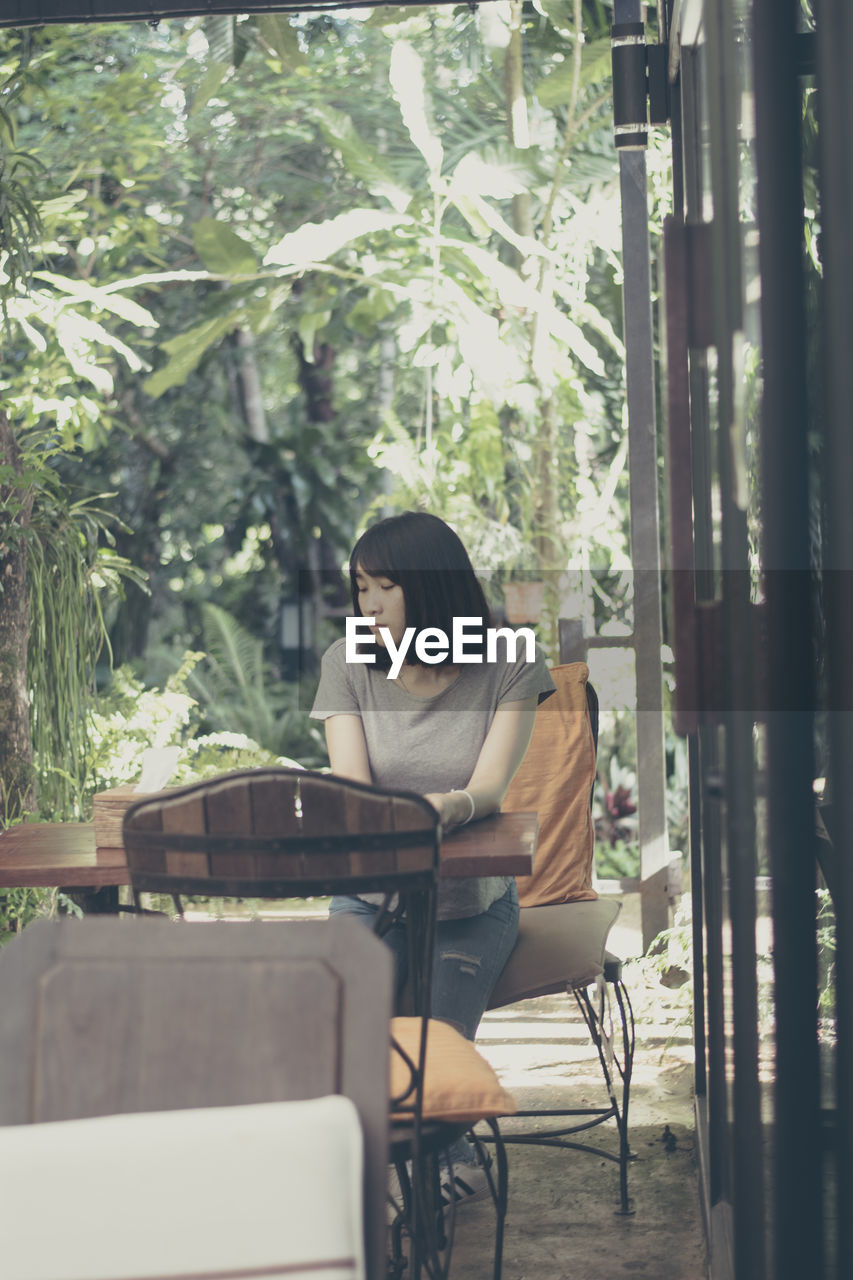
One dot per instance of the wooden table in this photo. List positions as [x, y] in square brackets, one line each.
[63, 854]
[501, 845]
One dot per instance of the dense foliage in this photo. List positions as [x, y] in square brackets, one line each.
[279, 273]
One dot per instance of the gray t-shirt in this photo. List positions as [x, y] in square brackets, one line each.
[430, 744]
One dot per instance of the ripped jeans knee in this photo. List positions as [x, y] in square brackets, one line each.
[469, 956]
[468, 964]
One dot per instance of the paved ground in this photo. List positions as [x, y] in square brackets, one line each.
[562, 1223]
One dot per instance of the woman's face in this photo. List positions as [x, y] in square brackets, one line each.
[382, 599]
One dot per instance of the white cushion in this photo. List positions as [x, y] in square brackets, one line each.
[268, 1190]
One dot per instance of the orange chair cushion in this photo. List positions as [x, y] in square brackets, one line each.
[556, 778]
[460, 1086]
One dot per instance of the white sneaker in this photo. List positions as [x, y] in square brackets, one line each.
[394, 1205]
[464, 1184]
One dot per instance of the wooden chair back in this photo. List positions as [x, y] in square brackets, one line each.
[107, 1016]
[279, 832]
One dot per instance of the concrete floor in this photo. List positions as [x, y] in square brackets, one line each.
[562, 1222]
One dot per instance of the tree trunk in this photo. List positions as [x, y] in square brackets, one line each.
[16, 747]
[250, 387]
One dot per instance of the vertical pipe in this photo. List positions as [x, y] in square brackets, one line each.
[835, 58]
[724, 97]
[694, 759]
[797, 1233]
[709, 1012]
[645, 530]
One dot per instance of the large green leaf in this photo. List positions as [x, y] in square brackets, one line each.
[370, 310]
[276, 31]
[214, 74]
[221, 250]
[556, 88]
[560, 13]
[219, 33]
[361, 159]
[310, 323]
[186, 350]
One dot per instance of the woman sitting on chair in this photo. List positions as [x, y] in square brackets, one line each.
[453, 732]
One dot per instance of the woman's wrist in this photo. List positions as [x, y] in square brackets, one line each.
[467, 807]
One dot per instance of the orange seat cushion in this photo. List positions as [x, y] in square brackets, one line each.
[555, 779]
[460, 1086]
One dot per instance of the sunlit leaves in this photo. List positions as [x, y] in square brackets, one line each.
[103, 297]
[316, 242]
[407, 82]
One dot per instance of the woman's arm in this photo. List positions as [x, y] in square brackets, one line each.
[347, 748]
[499, 759]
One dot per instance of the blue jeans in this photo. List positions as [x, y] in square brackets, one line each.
[468, 959]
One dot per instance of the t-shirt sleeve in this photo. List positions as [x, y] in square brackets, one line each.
[527, 679]
[335, 693]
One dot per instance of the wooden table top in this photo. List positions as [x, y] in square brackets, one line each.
[501, 845]
[60, 854]
[51, 854]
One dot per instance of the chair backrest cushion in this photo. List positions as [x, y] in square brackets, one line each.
[270, 1190]
[556, 779]
[104, 1016]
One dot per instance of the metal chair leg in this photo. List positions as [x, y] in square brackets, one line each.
[498, 1189]
[615, 1049]
[613, 1062]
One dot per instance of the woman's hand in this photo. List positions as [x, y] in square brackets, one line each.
[453, 806]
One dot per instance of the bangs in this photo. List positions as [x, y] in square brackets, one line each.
[372, 555]
[373, 568]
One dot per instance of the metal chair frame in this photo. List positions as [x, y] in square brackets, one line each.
[306, 856]
[615, 1048]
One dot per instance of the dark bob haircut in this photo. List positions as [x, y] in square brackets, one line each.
[422, 554]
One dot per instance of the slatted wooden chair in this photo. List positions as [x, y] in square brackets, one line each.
[564, 925]
[279, 832]
[215, 1034]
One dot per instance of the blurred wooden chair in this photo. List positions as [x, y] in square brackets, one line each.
[259, 1057]
[280, 832]
[564, 925]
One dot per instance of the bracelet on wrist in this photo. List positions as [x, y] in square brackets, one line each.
[459, 791]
